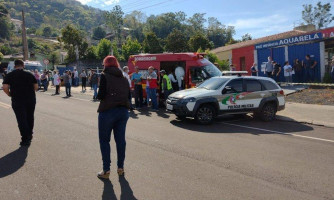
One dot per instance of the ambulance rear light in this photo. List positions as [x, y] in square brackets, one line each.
[281, 92]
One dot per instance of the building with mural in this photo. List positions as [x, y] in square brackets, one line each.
[287, 46]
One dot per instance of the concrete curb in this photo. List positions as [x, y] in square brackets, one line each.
[305, 121]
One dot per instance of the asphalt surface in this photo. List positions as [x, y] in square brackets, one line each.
[235, 158]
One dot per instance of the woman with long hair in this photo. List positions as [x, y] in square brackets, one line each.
[113, 114]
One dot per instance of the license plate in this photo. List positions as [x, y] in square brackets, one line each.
[169, 107]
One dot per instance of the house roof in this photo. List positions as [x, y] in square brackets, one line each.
[259, 40]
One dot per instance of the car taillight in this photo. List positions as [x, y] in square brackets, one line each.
[282, 92]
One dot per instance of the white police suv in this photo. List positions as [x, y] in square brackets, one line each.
[228, 95]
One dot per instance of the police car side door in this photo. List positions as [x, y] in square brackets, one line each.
[230, 100]
[254, 93]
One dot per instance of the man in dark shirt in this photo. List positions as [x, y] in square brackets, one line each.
[310, 66]
[21, 86]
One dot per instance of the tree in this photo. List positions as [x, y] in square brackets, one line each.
[103, 48]
[47, 31]
[1, 57]
[218, 33]
[246, 37]
[318, 15]
[176, 42]
[152, 44]
[196, 23]
[91, 53]
[199, 41]
[131, 47]
[54, 58]
[115, 21]
[223, 64]
[163, 24]
[99, 33]
[73, 39]
[4, 23]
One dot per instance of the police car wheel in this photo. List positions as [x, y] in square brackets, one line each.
[205, 114]
[268, 112]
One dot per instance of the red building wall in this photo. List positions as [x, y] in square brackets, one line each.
[244, 55]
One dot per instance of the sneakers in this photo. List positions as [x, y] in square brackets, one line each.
[104, 175]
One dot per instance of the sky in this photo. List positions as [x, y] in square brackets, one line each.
[257, 17]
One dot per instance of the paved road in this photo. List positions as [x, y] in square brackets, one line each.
[166, 159]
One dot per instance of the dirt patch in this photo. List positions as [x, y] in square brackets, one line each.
[313, 96]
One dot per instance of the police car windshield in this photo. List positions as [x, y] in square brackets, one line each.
[212, 70]
[213, 83]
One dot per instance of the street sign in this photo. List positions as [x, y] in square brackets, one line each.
[46, 61]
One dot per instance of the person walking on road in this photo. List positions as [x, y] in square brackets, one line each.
[153, 85]
[113, 114]
[83, 77]
[136, 77]
[269, 68]
[76, 77]
[332, 69]
[95, 83]
[56, 82]
[38, 78]
[166, 85]
[44, 80]
[21, 86]
[67, 82]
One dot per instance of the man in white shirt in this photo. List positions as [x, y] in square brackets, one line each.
[76, 77]
[179, 73]
[56, 82]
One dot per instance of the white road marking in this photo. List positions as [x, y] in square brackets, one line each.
[278, 132]
[4, 105]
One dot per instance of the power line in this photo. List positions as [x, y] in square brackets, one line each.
[136, 4]
[157, 4]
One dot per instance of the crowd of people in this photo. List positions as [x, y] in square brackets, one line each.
[299, 71]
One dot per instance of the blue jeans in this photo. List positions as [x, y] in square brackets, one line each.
[147, 95]
[114, 119]
[153, 96]
[68, 89]
[333, 76]
[95, 90]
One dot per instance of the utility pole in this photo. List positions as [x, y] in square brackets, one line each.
[24, 38]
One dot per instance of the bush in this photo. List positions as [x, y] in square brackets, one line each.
[327, 78]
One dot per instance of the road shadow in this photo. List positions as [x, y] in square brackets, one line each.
[108, 190]
[13, 161]
[126, 191]
[243, 124]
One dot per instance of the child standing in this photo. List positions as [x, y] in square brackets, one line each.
[288, 72]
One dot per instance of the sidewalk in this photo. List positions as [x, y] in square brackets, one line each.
[308, 113]
[290, 89]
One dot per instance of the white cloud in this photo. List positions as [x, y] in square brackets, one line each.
[261, 22]
[84, 1]
[110, 2]
[99, 2]
[262, 26]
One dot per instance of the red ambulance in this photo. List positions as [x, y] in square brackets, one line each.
[196, 67]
